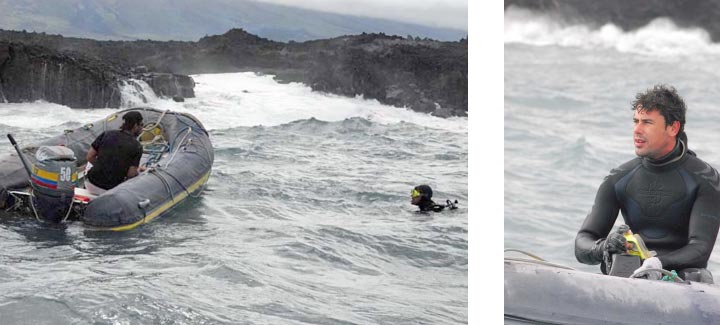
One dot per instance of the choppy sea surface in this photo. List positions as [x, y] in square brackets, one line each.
[305, 220]
[568, 118]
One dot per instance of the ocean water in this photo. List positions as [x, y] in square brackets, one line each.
[568, 118]
[305, 220]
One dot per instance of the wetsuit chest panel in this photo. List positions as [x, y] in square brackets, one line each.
[657, 205]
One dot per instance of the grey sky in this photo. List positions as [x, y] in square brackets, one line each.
[436, 13]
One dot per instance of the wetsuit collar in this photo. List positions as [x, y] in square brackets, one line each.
[673, 156]
[426, 204]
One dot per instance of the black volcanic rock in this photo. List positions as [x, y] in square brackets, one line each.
[424, 75]
[29, 73]
[631, 15]
[113, 60]
[427, 76]
[170, 85]
[235, 36]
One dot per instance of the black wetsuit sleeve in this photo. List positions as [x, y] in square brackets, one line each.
[702, 232]
[598, 223]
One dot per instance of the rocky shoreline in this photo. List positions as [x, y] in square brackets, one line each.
[423, 75]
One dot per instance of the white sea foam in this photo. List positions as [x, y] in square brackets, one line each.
[235, 99]
[246, 99]
[136, 93]
[41, 114]
[661, 37]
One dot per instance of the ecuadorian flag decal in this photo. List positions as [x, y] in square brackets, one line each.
[48, 179]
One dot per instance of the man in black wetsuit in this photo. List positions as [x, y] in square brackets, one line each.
[666, 194]
[115, 155]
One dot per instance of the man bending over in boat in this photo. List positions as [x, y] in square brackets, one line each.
[667, 195]
[115, 155]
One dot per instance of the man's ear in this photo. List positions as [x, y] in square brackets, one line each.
[674, 128]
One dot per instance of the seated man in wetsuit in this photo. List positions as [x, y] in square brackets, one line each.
[115, 155]
[667, 195]
[421, 196]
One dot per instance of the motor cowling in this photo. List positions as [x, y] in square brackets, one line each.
[53, 180]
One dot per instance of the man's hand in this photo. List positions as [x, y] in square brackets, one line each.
[613, 244]
[651, 263]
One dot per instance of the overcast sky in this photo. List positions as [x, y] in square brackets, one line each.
[437, 13]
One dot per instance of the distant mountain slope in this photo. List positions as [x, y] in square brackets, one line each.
[189, 20]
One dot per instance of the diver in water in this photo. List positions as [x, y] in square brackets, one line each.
[421, 196]
[666, 194]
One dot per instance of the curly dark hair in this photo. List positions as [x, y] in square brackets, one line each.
[667, 102]
[130, 119]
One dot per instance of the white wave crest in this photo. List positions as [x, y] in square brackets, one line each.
[227, 100]
[231, 100]
[135, 92]
[660, 37]
[41, 114]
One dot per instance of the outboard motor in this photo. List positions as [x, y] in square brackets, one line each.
[53, 180]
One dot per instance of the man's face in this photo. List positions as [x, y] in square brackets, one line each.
[651, 137]
[415, 200]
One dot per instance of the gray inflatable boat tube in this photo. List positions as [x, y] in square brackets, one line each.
[539, 293]
[180, 171]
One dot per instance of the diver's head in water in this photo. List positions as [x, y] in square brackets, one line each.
[421, 196]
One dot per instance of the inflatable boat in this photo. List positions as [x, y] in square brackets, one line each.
[46, 179]
[537, 291]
